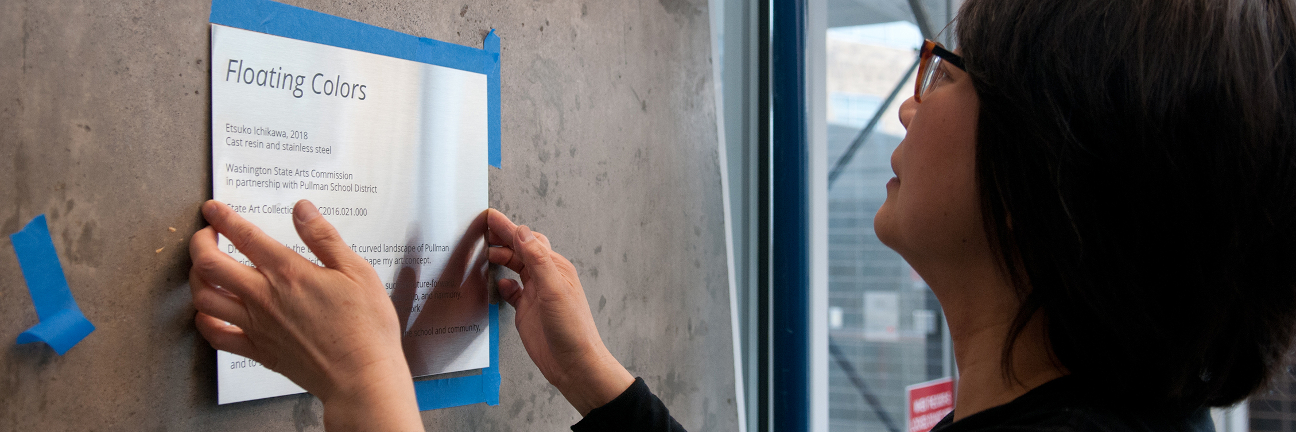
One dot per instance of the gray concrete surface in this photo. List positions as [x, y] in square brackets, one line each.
[609, 147]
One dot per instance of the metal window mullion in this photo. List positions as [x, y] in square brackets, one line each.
[790, 218]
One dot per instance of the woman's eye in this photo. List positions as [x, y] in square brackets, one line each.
[942, 74]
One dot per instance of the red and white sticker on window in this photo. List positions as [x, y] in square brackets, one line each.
[928, 403]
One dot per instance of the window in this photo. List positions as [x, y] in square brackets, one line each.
[886, 330]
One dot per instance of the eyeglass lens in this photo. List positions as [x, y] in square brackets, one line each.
[931, 74]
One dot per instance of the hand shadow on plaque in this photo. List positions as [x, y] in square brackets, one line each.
[458, 300]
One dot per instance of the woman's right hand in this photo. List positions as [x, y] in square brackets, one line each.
[553, 318]
[331, 329]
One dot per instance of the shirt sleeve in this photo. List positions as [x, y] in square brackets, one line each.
[636, 409]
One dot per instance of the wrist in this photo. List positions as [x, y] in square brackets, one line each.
[597, 382]
[378, 398]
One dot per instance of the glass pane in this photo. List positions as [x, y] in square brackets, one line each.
[886, 330]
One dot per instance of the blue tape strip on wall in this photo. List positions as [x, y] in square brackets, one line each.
[279, 19]
[492, 48]
[303, 24]
[62, 325]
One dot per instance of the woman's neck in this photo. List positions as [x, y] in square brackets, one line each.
[978, 351]
[979, 307]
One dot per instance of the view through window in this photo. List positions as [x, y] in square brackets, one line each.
[886, 330]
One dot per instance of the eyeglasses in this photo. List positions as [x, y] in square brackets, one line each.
[929, 70]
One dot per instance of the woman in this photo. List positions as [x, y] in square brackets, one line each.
[1101, 194]
[1106, 191]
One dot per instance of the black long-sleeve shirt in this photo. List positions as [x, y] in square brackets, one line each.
[1067, 404]
[636, 409]
[1062, 405]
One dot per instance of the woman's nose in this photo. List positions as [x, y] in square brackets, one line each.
[907, 110]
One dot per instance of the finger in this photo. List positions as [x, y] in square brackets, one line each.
[225, 337]
[562, 263]
[322, 238]
[217, 268]
[262, 250]
[536, 260]
[505, 257]
[501, 228]
[511, 291]
[211, 301]
[544, 239]
[493, 239]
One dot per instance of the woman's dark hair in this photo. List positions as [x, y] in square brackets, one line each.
[1137, 167]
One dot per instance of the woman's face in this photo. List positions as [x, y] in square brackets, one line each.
[932, 211]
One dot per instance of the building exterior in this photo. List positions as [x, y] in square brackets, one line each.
[885, 327]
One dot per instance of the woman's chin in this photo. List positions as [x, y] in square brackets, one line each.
[883, 226]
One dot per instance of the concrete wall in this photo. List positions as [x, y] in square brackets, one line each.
[609, 147]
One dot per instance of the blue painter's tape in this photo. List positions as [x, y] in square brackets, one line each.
[492, 47]
[452, 392]
[279, 19]
[62, 325]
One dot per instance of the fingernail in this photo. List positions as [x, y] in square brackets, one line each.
[209, 210]
[305, 211]
[525, 234]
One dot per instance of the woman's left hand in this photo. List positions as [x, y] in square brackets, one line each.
[553, 318]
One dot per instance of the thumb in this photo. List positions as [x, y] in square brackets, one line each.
[321, 237]
[536, 258]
